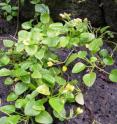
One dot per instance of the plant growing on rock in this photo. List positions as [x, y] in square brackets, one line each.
[36, 73]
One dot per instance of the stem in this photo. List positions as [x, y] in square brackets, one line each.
[17, 27]
[102, 69]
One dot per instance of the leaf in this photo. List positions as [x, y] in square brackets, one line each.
[3, 120]
[113, 75]
[45, 18]
[35, 1]
[43, 89]
[69, 97]
[95, 45]
[8, 81]
[9, 109]
[24, 36]
[8, 43]
[57, 104]
[4, 72]
[27, 25]
[86, 37]
[40, 54]
[72, 57]
[19, 72]
[12, 97]
[20, 88]
[108, 60]
[51, 41]
[44, 118]
[89, 79]
[63, 41]
[31, 50]
[79, 98]
[5, 60]
[9, 17]
[78, 67]
[14, 119]
[82, 54]
[49, 78]
[60, 80]
[36, 74]
[29, 111]
[103, 53]
[20, 103]
[41, 8]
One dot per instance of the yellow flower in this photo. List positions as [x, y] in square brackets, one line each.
[79, 110]
[69, 87]
[50, 64]
[64, 68]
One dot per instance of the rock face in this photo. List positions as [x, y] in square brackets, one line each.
[110, 13]
[99, 12]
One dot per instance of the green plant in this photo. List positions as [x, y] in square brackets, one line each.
[8, 11]
[36, 72]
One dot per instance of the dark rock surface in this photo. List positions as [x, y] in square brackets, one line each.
[99, 12]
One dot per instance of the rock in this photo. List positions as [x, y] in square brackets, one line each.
[110, 13]
[88, 9]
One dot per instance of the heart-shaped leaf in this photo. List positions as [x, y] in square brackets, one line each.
[89, 79]
[113, 75]
[78, 67]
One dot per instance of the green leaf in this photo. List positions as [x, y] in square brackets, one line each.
[89, 79]
[44, 118]
[8, 81]
[14, 119]
[95, 45]
[49, 78]
[5, 60]
[35, 1]
[20, 103]
[9, 109]
[27, 25]
[78, 67]
[29, 110]
[9, 17]
[8, 43]
[4, 72]
[24, 36]
[41, 8]
[3, 120]
[63, 41]
[71, 58]
[57, 104]
[36, 74]
[31, 50]
[86, 37]
[7, 8]
[40, 54]
[12, 97]
[93, 59]
[103, 53]
[20, 88]
[60, 80]
[51, 41]
[113, 75]
[45, 18]
[82, 54]
[108, 60]
[43, 89]
[19, 72]
[79, 98]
